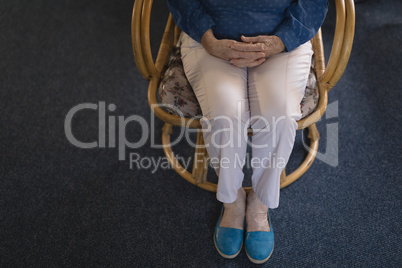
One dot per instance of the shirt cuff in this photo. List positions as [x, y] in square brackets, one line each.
[204, 24]
[288, 37]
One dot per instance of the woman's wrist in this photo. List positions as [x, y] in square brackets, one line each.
[208, 39]
[279, 43]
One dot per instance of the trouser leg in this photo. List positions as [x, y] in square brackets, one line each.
[221, 90]
[276, 89]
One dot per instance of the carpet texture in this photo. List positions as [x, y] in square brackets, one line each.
[63, 206]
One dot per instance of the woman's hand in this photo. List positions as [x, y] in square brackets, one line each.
[224, 49]
[269, 44]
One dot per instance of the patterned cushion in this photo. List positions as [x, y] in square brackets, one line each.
[178, 97]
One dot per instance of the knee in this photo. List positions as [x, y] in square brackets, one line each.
[278, 123]
[280, 115]
[227, 115]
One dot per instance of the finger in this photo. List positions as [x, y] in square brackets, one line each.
[253, 39]
[258, 47]
[246, 63]
[251, 55]
[240, 62]
[239, 65]
[256, 62]
[272, 51]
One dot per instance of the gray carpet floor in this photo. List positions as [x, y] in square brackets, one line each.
[62, 206]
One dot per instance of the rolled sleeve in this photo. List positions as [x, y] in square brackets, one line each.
[191, 17]
[302, 20]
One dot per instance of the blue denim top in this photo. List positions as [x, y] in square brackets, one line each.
[294, 21]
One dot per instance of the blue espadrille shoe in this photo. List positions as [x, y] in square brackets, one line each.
[228, 241]
[260, 244]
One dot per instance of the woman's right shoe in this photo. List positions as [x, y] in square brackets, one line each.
[228, 241]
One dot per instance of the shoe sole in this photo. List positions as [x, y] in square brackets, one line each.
[259, 261]
[227, 256]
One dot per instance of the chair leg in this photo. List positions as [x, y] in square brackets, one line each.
[198, 176]
[204, 184]
[314, 137]
[200, 166]
[283, 177]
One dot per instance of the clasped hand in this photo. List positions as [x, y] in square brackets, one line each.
[250, 53]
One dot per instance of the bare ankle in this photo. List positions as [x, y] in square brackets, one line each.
[234, 213]
[256, 214]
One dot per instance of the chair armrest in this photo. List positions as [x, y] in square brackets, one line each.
[141, 41]
[140, 38]
[342, 44]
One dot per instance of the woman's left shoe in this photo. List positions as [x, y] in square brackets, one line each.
[260, 244]
[228, 241]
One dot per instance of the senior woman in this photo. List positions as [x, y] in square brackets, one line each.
[248, 64]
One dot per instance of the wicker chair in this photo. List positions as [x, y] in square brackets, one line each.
[327, 77]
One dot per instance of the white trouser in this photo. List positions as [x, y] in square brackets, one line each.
[266, 98]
